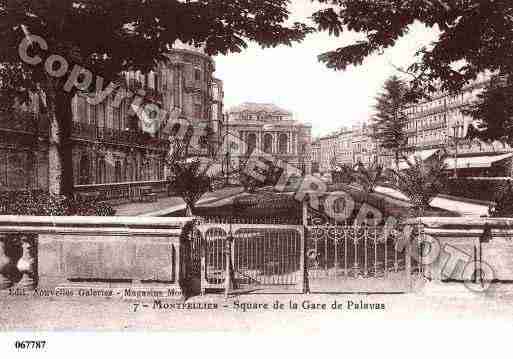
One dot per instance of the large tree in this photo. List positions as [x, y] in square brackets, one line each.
[390, 120]
[493, 112]
[475, 36]
[107, 37]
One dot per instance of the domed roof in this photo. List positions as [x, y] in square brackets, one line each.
[254, 107]
[182, 46]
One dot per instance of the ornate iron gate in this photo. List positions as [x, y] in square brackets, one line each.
[256, 257]
[327, 258]
[358, 259]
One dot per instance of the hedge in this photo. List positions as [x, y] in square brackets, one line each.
[40, 203]
[478, 189]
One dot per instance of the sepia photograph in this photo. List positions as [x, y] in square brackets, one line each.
[253, 166]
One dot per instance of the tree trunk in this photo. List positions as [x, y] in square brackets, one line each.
[189, 208]
[60, 166]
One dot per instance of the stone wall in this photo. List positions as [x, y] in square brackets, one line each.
[460, 247]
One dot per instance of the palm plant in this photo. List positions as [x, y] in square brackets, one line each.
[190, 178]
[190, 181]
[421, 182]
[368, 178]
[342, 173]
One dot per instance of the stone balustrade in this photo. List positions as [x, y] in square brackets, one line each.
[49, 252]
[459, 248]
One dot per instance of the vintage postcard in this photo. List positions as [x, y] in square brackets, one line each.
[253, 165]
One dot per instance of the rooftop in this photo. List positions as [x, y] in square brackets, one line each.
[259, 107]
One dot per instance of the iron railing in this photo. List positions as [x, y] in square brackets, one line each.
[93, 132]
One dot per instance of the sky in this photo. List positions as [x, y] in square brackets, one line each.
[292, 78]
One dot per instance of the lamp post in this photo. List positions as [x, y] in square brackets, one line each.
[452, 139]
[227, 153]
[455, 140]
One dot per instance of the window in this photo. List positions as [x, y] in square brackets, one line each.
[198, 110]
[84, 170]
[251, 141]
[117, 172]
[101, 171]
[283, 143]
[129, 171]
[268, 143]
[93, 115]
[116, 113]
[165, 77]
[197, 74]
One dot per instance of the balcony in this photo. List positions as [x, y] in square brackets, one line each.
[24, 122]
[90, 132]
[151, 94]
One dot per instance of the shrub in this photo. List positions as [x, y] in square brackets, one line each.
[40, 203]
[475, 188]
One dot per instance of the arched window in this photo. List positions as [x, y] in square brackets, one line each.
[251, 143]
[84, 170]
[283, 141]
[268, 143]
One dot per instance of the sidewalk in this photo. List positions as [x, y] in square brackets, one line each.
[171, 204]
[453, 205]
[225, 315]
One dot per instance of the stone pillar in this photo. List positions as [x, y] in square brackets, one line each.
[5, 264]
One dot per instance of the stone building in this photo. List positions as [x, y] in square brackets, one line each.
[270, 129]
[316, 155]
[328, 152]
[440, 124]
[110, 144]
[345, 147]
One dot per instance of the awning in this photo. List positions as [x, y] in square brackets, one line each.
[422, 155]
[475, 162]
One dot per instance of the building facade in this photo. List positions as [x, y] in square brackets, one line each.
[328, 149]
[316, 155]
[435, 124]
[272, 130]
[439, 123]
[110, 144]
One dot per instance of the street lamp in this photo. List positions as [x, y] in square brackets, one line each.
[227, 153]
